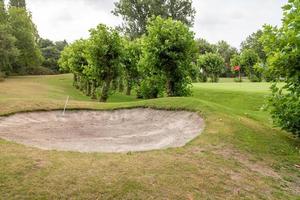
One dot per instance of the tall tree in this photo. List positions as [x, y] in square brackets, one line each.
[282, 46]
[253, 42]
[248, 60]
[51, 52]
[169, 53]
[104, 56]
[136, 13]
[18, 3]
[8, 51]
[211, 65]
[205, 47]
[226, 51]
[26, 34]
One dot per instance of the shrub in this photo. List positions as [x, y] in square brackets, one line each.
[168, 50]
[248, 60]
[211, 65]
[283, 50]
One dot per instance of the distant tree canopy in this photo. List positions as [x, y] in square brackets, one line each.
[253, 42]
[17, 3]
[226, 51]
[136, 13]
[51, 52]
[205, 47]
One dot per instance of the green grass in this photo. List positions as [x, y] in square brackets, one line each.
[240, 155]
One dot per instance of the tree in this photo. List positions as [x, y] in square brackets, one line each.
[8, 51]
[212, 65]
[104, 53]
[235, 62]
[248, 61]
[18, 3]
[73, 59]
[227, 52]
[283, 51]
[51, 52]
[253, 42]
[131, 58]
[168, 52]
[25, 32]
[60, 45]
[205, 47]
[136, 13]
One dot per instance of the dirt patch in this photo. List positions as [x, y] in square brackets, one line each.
[102, 131]
[258, 167]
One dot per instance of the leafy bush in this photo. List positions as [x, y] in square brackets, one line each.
[168, 50]
[211, 65]
[283, 50]
[248, 60]
[152, 87]
[285, 108]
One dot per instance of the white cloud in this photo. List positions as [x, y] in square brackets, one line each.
[230, 20]
[234, 20]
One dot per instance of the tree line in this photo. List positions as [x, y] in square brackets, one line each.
[22, 51]
[154, 53]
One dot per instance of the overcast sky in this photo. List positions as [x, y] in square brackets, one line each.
[230, 20]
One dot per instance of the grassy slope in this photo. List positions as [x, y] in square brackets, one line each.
[240, 154]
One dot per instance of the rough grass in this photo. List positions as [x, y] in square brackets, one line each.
[240, 155]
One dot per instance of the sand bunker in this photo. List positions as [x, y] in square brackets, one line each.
[102, 131]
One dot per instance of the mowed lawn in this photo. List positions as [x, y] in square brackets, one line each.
[240, 155]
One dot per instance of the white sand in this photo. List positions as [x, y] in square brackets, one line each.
[102, 131]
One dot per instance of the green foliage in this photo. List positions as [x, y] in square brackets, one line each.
[152, 87]
[51, 53]
[137, 13]
[283, 50]
[168, 51]
[8, 51]
[17, 3]
[25, 32]
[226, 51]
[253, 42]
[131, 58]
[104, 53]
[285, 108]
[212, 65]
[248, 61]
[205, 47]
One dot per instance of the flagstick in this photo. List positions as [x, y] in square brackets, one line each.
[67, 101]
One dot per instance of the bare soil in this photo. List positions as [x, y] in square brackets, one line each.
[102, 131]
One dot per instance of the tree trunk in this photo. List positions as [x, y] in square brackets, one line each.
[128, 91]
[105, 90]
[88, 88]
[121, 86]
[170, 86]
[93, 90]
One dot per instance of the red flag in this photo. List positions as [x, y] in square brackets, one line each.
[237, 68]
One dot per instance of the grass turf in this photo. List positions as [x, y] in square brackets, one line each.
[240, 155]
